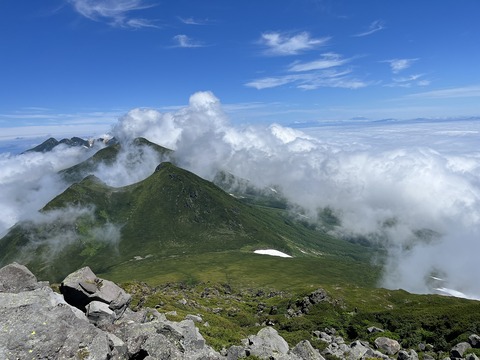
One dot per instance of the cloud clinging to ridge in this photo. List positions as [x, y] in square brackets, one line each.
[279, 44]
[115, 12]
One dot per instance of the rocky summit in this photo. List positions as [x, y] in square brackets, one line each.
[91, 319]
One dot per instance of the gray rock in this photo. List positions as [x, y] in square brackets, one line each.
[236, 352]
[305, 351]
[474, 340]
[407, 355]
[15, 278]
[267, 343]
[99, 313]
[118, 346]
[357, 350]
[36, 325]
[336, 349]
[471, 357]
[374, 329]
[83, 286]
[386, 345]
[194, 318]
[459, 349]
[325, 337]
[371, 353]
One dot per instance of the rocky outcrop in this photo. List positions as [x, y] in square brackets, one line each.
[37, 323]
[459, 349]
[302, 306]
[91, 320]
[83, 287]
[388, 346]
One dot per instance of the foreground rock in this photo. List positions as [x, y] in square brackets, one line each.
[37, 323]
[83, 287]
[91, 320]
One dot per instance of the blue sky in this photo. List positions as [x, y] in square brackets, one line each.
[76, 64]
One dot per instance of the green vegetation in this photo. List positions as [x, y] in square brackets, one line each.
[232, 313]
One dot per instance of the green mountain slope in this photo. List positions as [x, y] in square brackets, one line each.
[172, 213]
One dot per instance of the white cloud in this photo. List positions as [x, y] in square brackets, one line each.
[192, 21]
[311, 80]
[460, 92]
[284, 44]
[327, 60]
[375, 26]
[409, 81]
[184, 41]
[115, 12]
[271, 82]
[398, 65]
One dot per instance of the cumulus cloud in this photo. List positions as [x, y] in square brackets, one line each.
[280, 44]
[115, 12]
[375, 26]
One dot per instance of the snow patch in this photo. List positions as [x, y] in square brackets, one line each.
[272, 252]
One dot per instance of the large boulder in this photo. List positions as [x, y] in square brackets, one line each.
[267, 343]
[15, 278]
[39, 324]
[83, 286]
[387, 345]
[459, 349]
[305, 351]
[357, 350]
[474, 340]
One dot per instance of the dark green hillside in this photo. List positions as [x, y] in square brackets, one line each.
[107, 156]
[171, 213]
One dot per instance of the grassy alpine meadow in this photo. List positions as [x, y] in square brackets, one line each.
[237, 293]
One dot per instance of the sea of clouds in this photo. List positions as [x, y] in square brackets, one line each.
[389, 181]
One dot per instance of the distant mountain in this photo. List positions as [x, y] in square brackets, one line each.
[107, 156]
[51, 143]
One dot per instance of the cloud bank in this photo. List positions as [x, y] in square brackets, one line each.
[411, 186]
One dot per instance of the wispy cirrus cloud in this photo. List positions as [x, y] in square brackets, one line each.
[310, 80]
[327, 60]
[451, 93]
[397, 65]
[409, 81]
[183, 41]
[375, 26]
[281, 44]
[193, 21]
[114, 12]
